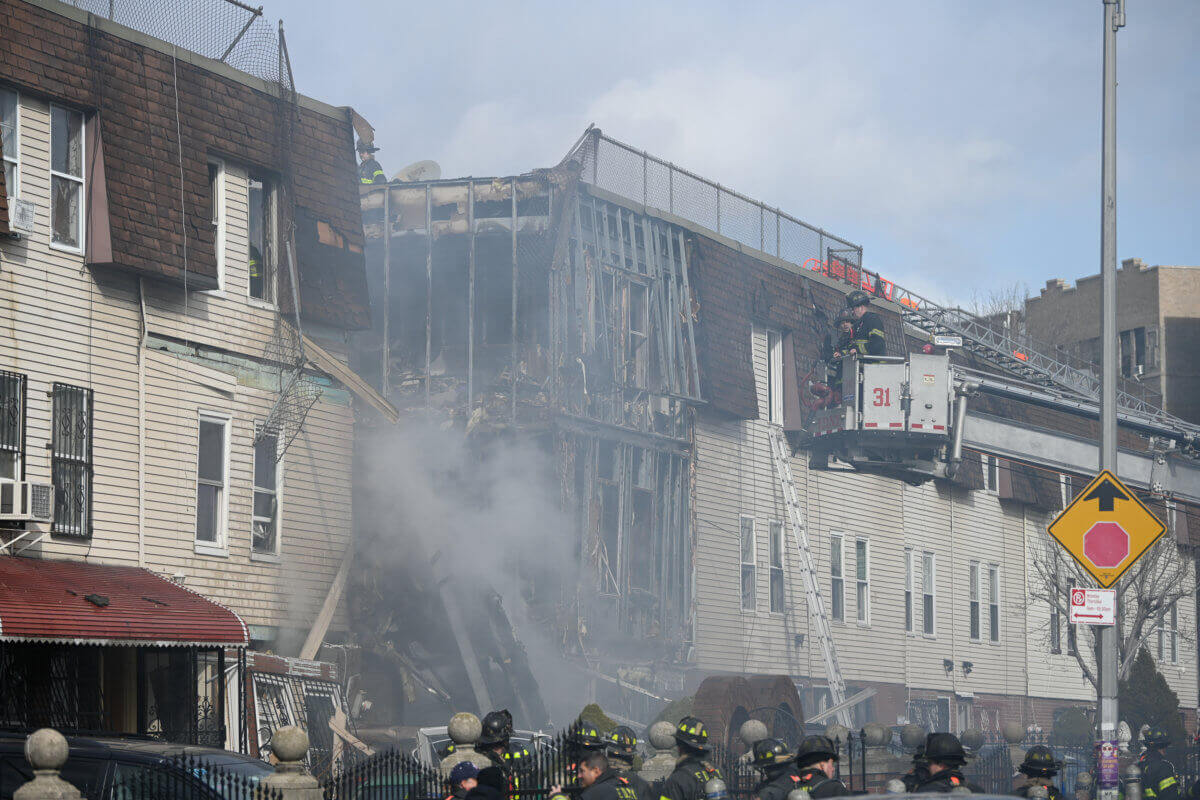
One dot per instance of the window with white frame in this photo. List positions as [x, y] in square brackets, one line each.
[263, 256]
[71, 459]
[909, 564]
[837, 576]
[10, 141]
[973, 592]
[774, 377]
[1168, 637]
[993, 573]
[265, 520]
[862, 580]
[12, 425]
[66, 178]
[1066, 488]
[928, 598]
[776, 566]
[991, 474]
[216, 199]
[212, 480]
[748, 555]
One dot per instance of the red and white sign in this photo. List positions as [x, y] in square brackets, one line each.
[1093, 606]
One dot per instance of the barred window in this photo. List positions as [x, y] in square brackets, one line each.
[71, 460]
[12, 426]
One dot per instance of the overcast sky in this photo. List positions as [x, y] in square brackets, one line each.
[957, 141]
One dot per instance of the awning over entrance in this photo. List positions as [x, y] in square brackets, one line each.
[74, 603]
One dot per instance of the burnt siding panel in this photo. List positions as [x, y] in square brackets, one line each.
[129, 89]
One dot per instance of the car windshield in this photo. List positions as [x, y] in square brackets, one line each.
[216, 773]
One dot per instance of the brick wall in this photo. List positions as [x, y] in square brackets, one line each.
[734, 291]
[129, 89]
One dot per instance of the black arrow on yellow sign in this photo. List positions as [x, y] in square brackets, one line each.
[1106, 493]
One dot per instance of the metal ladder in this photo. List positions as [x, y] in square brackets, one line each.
[781, 454]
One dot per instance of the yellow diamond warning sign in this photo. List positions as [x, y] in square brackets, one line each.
[1106, 529]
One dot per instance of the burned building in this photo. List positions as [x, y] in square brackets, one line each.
[653, 333]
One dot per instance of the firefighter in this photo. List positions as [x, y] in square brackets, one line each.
[945, 755]
[868, 327]
[833, 354]
[463, 778]
[1039, 767]
[919, 772]
[600, 781]
[815, 759]
[621, 749]
[369, 170]
[778, 767]
[1159, 779]
[494, 742]
[692, 769]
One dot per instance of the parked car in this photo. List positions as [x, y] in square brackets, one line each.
[117, 768]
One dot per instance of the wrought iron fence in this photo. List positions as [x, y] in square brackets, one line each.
[187, 777]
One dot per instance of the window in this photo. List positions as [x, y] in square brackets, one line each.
[1152, 348]
[908, 589]
[262, 238]
[748, 601]
[265, 519]
[994, 602]
[1072, 640]
[837, 577]
[66, 178]
[991, 466]
[216, 199]
[1056, 620]
[776, 567]
[71, 460]
[1133, 351]
[10, 140]
[212, 488]
[927, 594]
[12, 426]
[638, 324]
[862, 579]
[1066, 486]
[774, 377]
[974, 597]
[1168, 637]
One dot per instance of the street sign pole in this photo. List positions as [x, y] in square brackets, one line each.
[1114, 18]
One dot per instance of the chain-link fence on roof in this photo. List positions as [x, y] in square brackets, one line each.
[224, 30]
[636, 175]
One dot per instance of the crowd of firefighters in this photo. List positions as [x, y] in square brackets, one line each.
[602, 767]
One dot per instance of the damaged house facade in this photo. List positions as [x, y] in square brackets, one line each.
[180, 262]
[652, 331]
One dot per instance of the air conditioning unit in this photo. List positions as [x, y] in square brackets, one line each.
[25, 501]
[21, 216]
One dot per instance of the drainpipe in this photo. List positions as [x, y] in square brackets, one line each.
[141, 365]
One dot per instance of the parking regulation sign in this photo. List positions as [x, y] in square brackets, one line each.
[1093, 606]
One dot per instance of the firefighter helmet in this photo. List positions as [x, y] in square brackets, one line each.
[815, 749]
[1156, 736]
[497, 729]
[690, 732]
[857, 298]
[944, 748]
[586, 736]
[365, 147]
[768, 753]
[1040, 762]
[845, 315]
[621, 743]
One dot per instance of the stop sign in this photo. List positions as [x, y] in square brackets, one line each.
[1106, 544]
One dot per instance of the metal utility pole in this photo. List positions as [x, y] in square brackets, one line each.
[1114, 18]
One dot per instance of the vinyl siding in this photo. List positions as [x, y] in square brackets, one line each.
[734, 476]
[64, 322]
